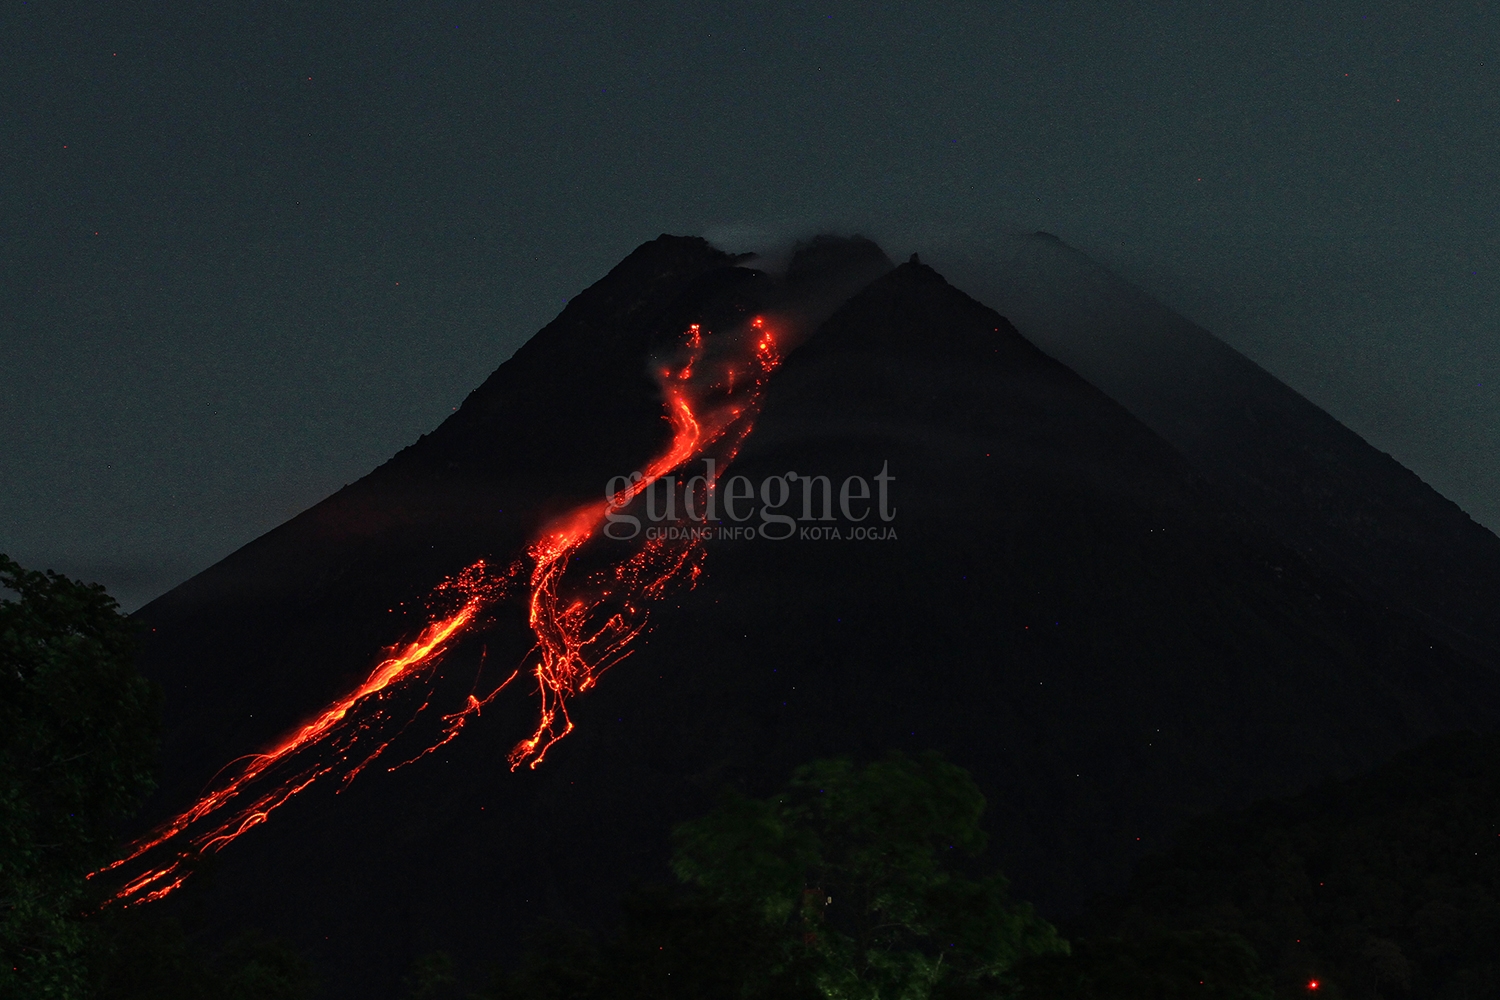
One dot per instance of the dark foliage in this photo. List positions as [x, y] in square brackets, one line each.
[862, 883]
[868, 871]
[669, 945]
[138, 955]
[850, 882]
[1387, 885]
[78, 729]
[1204, 965]
[431, 977]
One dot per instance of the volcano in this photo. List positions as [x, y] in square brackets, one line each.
[926, 533]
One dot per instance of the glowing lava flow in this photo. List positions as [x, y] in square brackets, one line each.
[309, 753]
[580, 631]
[573, 645]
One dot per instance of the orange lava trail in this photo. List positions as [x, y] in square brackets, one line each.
[236, 804]
[580, 631]
[573, 646]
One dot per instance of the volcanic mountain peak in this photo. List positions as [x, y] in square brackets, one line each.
[577, 404]
[987, 555]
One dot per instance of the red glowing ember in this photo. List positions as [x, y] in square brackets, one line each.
[582, 628]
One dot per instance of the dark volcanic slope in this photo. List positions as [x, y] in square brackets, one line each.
[1069, 610]
[1350, 507]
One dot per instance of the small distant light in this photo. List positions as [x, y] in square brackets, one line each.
[1312, 984]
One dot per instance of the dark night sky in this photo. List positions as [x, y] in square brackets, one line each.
[249, 251]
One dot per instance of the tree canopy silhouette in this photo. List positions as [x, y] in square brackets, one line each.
[850, 882]
[78, 731]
